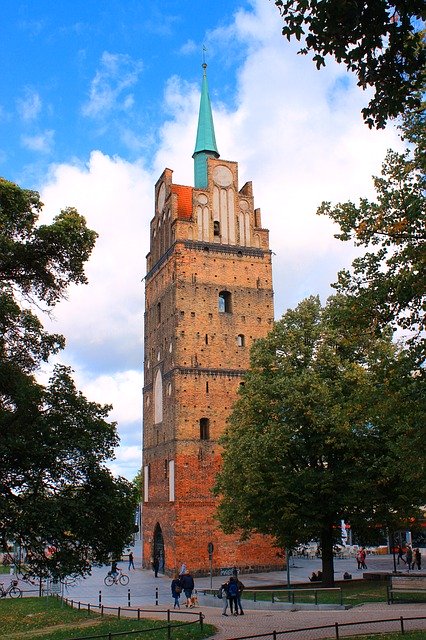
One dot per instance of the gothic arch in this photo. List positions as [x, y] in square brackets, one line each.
[158, 547]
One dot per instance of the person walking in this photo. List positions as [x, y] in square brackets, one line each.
[363, 557]
[233, 595]
[182, 569]
[409, 558]
[131, 561]
[400, 554]
[156, 566]
[223, 594]
[417, 559]
[240, 591]
[187, 584]
[176, 591]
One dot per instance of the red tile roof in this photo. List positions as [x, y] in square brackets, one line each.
[184, 195]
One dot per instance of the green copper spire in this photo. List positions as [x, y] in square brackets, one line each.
[205, 145]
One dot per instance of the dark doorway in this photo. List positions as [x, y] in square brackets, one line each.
[158, 551]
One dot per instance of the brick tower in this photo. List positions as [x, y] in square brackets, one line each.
[208, 297]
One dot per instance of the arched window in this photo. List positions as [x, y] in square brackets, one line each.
[241, 340]
[216, 228]
[224, 302]
[204, 429]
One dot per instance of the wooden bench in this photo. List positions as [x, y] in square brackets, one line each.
[406, 584]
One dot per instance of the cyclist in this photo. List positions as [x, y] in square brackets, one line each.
[114, 569]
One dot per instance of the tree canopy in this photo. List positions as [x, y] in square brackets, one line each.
[386, 285]
[322, 430]
[381, 41]
[55, 489]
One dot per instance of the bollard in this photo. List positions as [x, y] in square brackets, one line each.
[100, 598]
[102, 611]
[128, 597]
[402, 624]
[139, 614]
[201, 621]
[168, 616]
[156, 596]
[119, 612]
[336, 626]
[88, 609]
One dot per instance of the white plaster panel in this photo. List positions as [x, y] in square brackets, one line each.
[158, 397]
[224, 213]
[200, 222]
[145, 483]
[231, 215]
[247, 226]
[206, 224]
[242, 229]
[171, 480]
[216, 206]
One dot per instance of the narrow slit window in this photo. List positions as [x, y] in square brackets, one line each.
[204, 429]
[216, 228]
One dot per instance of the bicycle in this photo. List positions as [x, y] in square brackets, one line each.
[119, 578]
[13, 590]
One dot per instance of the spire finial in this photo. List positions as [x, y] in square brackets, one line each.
[205, 145]
[204, 65]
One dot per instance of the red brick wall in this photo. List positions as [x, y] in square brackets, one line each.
[196, 348]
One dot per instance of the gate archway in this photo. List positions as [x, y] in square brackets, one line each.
[158, 551]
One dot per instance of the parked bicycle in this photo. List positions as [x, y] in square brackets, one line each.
[119, 578]
[13, 590]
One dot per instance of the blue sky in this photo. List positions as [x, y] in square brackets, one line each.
[98, 97]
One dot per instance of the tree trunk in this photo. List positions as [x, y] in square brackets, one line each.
[327, 557]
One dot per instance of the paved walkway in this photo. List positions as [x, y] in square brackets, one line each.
[144, 589]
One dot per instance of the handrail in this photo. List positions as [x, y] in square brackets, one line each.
[275, 592]
[169, 626]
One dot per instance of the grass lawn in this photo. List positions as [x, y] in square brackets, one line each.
[4, 569]
[48, 619]
[353, 592]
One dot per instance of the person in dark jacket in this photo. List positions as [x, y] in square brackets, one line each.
[156, 566]
[417, 559]
[176, 591]
[240, 591]
[187, 583]
[233, 595]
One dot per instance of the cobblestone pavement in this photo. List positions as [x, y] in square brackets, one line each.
[144, 590]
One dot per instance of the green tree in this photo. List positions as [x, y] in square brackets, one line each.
[55, 488]
[317, 434]
[386, 285]
[381, 41]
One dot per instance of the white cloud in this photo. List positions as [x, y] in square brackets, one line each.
[103, 320]
[188, 48]
[117, 73]
[29, 106]
[42, 142]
